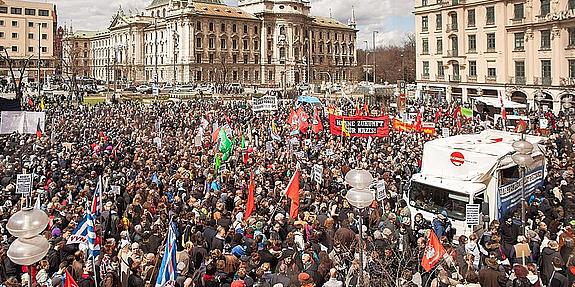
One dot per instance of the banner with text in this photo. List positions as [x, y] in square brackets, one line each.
[265, 103]
[21, 122]
[360, 126]
[426, 127]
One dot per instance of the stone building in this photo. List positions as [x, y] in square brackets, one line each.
[260, 42]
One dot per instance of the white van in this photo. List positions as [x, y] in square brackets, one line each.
[473, 169]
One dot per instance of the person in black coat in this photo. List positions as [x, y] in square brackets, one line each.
[134, 280]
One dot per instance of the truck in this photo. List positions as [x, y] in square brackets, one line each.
[474, 173]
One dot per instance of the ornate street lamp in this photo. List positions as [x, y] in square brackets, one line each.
[524, 160]
[29, 246]
[360, 197]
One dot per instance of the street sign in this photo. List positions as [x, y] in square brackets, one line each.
[24, 183]
[472, 214]
[380, 190]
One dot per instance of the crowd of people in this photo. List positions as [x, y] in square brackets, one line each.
[162, 157]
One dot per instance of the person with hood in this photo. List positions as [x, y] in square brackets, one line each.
[558, 278]
[548, 254]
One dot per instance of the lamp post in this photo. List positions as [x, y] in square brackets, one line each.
[374, 58]
[366, 67]
[360, 197]
[30, 246]
[522, 157]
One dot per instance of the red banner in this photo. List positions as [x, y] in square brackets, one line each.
[426, 128]
[360, 126]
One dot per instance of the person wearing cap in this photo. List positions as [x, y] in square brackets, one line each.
[441, 225]
[548, 254]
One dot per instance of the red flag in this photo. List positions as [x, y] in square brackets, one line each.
[292, 192]
[38, 129]
[418, 119]
[215, 135]
[366, 109]
[357, 110]
[433, 252]
[69, 280]
[438, 114]
[30, 102]
[303, 118]
[503, 111]
[317, 126]
[521, 126]
[250, 204]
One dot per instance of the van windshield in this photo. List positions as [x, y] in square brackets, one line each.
[434, 199]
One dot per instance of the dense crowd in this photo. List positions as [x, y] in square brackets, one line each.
[162, 157]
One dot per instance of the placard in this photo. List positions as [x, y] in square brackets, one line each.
[22, 122]
[380, 190]
[445, 132]
[360, 126]
[543, 123]
[317, 173]
[23, 183]
[472, 214]
[265, 103]
[115, 189]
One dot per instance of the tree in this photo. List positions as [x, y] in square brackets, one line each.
[12, 65]
[71, 65]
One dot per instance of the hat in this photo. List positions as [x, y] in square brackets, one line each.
[238, 283]
[56, 232]
[441, 216]
[303, 277]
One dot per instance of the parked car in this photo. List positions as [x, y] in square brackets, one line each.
[167, 88]
[144, 89]
[303, 87]
[130, 89]
[185, 88]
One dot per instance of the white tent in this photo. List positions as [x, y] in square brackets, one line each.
[494, 102]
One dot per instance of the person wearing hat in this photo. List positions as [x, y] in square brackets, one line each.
[441, 224]
[490, 276]
[134, 280]
[305, 280]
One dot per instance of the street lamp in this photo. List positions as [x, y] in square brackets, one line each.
[523, 159]
[366, 66]
[374, 57]
[360, 197]
[29, 246]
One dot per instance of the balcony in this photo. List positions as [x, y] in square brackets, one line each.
[471, 78]
[451, 28]
[546, 81]
[567, 82]
[517, 21]
[451, 2]
[455, 78]
[452, 53]
[518, 80]
[490, 79]
[425, 76]
[440, 77]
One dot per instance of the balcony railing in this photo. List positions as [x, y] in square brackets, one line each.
[453, 53]
[567, 82]
[472, 78]
[517, 21]
[425, 76]
[451, 28]
[546, 81]
[490, 79]
[451, 2]
[455, 78]
[440, 77]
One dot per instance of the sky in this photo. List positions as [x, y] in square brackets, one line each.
[393, 19]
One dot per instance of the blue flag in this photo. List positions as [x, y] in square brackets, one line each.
[93, 241]
[168, 273]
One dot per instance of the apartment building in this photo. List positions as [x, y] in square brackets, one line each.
[26, 30]
[260, 42]
[523, 49]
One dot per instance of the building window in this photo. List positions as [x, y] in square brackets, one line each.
[571, 37]
[235, 75]
[1, 35]
[423, 2]
[571, 69]
[235, 59]
[14, 35]
[14, 23]
[424, 23]
[30, 24]
[518, 12]
[255, 29]
[546, 71]
[257, 75]
[14, 48]
[473, 68]
[223, 27]
[211, 43]
[198, 42]
[520, 72]
[491, 42]
[234, 44]
[44, 25]
[545, 7]
[425, 68]
[198, 58]
[222, 43]
[519, 41]
[199, 26]
[45, 36]
[1, 22]
[571, 4]
[256, 59]
[17, 11]
[31, 12]
[234, 28]
[269, 59]
[3, 10]
[546, 39]
[246, 45]
[211, 26]
[30, 36]
[245, 29]
[425, 46]
[43, 12]
[472, 43]
[440, 69]
[246, 59]
[44, 49]
[256, 45]
[471, 18]
[30, 49]
[211, 58]
[490, 15]
[438, 22]
[491, 72]
[269, 30]
[439, 46]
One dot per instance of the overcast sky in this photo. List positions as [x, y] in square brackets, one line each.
[392, 18]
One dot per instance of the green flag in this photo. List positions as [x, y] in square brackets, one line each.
[466, 113]
[217, 163]
[225, 142]
[243, 142]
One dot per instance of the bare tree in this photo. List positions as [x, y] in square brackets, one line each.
[12, 65]
[71, 63]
